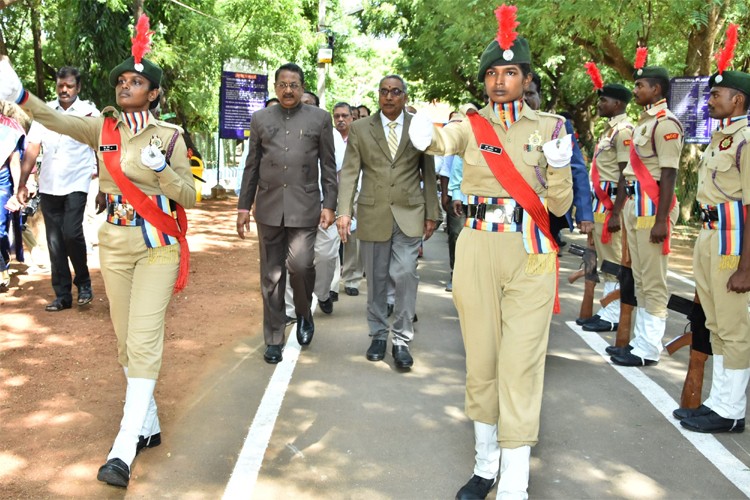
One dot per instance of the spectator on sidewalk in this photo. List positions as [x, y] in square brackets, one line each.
[66, 172]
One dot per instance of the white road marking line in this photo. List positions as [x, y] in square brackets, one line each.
[245, 474]
[676, 276]
[729, 465]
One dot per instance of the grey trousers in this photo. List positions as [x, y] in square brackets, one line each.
[352, 269]
[397, 259]
[293, 248]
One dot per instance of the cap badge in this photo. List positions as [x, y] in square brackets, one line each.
[508, 54]
[138, 67]
[718, 78]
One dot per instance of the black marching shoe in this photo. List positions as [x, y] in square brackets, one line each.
[326, 305]
[582, 321]
[376, 351]
[351, 291]
[58, 305]
[613, 350]
[334, 296]
[402, 357]
[85, 295]
[115, 472]
[388, 310]
[683, 413]
[477, 488]
[273, 354]
[152, 441]
[712, 422]
[599, 326]
[306, 329]
[630, 359]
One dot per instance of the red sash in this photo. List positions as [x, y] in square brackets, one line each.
[649, 185]
[603, 198]
[143, 204]
[512, 181]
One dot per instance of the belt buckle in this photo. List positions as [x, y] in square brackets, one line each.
[501, 214]
[481, 211]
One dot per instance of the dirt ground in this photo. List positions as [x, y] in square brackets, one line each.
[61, 388]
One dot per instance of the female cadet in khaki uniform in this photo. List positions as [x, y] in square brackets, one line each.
[139, 262]
[721, 257]
[504, 283]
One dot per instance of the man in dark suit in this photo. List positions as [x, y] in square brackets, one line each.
[394, 212]
[281, 179]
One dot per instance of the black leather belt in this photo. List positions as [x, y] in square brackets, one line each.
[630, 189]
[709, 215]
[480, 210]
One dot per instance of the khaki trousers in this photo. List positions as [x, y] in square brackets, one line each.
[611, 251]
[139, 283]
[505, 316]
[648, 263]
[727, 316]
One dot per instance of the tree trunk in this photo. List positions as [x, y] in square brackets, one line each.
[702, 38]
[3, 48]
[137, 9]
[36, 33]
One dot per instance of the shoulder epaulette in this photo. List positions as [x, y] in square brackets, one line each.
[170, 125]
[661, 114]
[110, 111]
[551, 115]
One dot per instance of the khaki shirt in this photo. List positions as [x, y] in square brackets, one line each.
[532, 128]
[175, 181]
[613, 147]
[723, 175]
[658, 141]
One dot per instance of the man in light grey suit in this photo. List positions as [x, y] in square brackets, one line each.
[281, 179]
[394, 212]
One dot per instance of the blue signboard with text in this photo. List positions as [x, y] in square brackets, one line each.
[241, 94]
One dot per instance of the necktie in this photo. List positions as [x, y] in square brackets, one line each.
[392, 140]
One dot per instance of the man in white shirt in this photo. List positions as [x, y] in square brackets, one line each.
[65, 175]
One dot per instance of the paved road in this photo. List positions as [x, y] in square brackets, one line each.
[350, 428]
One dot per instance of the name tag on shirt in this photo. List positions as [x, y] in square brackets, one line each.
[491, 149]
[104, 148]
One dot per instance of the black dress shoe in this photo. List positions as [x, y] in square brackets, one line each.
[477, 488]
[613, 350]
[85, 295]
[152, 441]
[388, 310]
[306, 329]
[713, 422]
[599, 326]
[326, 305]
[683, 413]
[402, 357]
[376, 352]
[351, 291]
[114, 472]
[58, 305]
[630, 359]
[334, 296]
[581, 321]
[414, 319]
[272, 354]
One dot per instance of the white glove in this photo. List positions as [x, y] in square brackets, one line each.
[11, 88]
[153, 158]
[559, 151]
[420, 131]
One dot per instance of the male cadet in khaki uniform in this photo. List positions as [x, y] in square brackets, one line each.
[504, 282]
[610, 158]
[650, 212]
[721, 258]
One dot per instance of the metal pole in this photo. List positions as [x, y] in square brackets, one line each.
[322, 67]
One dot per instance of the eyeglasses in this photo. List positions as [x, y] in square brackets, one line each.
[284, 86]
[393, 92]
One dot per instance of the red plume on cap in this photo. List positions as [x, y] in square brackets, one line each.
[596, 77]
[640, 57]
[506, 25]
[142, 40]
[725, 55]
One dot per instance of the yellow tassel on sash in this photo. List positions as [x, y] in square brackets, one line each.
[729, 262]
[645, 222]
[599, 217]
[169, 254]
[541, 263]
